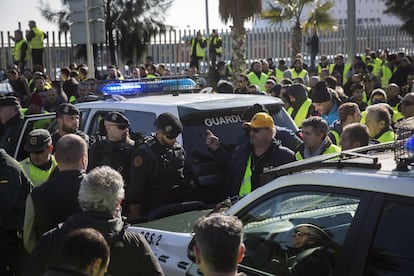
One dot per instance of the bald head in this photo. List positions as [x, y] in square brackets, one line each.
[71, 153]
[407, 105]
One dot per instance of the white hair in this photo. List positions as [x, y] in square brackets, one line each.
[101, 189]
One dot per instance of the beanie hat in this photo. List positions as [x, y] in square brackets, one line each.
[321, 93]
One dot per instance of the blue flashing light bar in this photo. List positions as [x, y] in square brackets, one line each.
[136, 87]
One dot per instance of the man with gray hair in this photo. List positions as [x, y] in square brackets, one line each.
[315, 139]
[100, 195]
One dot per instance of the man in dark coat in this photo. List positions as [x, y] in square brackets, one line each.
[14, 188]
[56, 199]
[11, 120]
[100, 195]
[248, 161]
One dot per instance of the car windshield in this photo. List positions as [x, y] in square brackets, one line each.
[271, 227]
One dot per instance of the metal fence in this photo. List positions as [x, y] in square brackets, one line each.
[173, 48]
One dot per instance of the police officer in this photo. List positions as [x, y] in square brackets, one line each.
[67, 117]
[14, 188]
[12, 121]
[41, 163]
[160, 172]
[114, 151]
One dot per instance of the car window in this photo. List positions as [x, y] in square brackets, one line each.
[295, 232]
[47, 121]
[141, 122]
[392, 250]
[226, 124]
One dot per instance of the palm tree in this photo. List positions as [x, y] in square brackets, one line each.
[291, 11]
[130, 23]
[239, 12]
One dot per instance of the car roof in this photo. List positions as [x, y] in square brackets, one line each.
[372, 171]
[195, 100]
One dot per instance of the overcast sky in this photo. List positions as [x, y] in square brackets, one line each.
[183, 14]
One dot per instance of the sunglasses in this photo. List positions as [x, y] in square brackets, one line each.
[407, 103]
[39, 152]
[256, 130]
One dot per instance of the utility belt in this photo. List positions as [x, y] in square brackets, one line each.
[16, 234]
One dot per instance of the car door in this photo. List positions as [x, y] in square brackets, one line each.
[31, 122]
[385, 246]
[271, 226]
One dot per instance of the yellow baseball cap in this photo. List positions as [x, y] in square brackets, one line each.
[261, 120]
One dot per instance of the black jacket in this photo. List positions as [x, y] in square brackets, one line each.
[275, 156]
[56, 200]
[160, 175]
[130, 253]
[10, 134]
[14, 188]
[113, 154]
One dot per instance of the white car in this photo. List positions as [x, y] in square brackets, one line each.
[220, 113]
[358, 198]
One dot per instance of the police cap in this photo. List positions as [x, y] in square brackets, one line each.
[37, 140]
[9, 101]
[169, 125]
[117, 118]
[67, 109]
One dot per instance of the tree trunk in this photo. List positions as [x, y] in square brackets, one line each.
[296, 41]
[109, 32]
[238, 33]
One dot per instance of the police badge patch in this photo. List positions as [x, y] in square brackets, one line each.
[66, 109]
[114, 117]
[168, 129]
[137, 161]
[33, 141]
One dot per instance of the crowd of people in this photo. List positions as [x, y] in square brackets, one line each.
[338, 106]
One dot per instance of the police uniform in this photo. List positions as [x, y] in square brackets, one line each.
[14, 188]
[115, 154]
[69, 109]
[37, 141]
[11, 129]
[160, 174]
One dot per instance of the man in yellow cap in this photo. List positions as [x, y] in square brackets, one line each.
[248, 161]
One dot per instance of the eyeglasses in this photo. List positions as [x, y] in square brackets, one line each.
[407, 103]
[368, 80]
[300, 233]
[256, 130]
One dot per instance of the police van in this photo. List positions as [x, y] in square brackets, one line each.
[143, 101]
[198, 112]
[361, 201]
